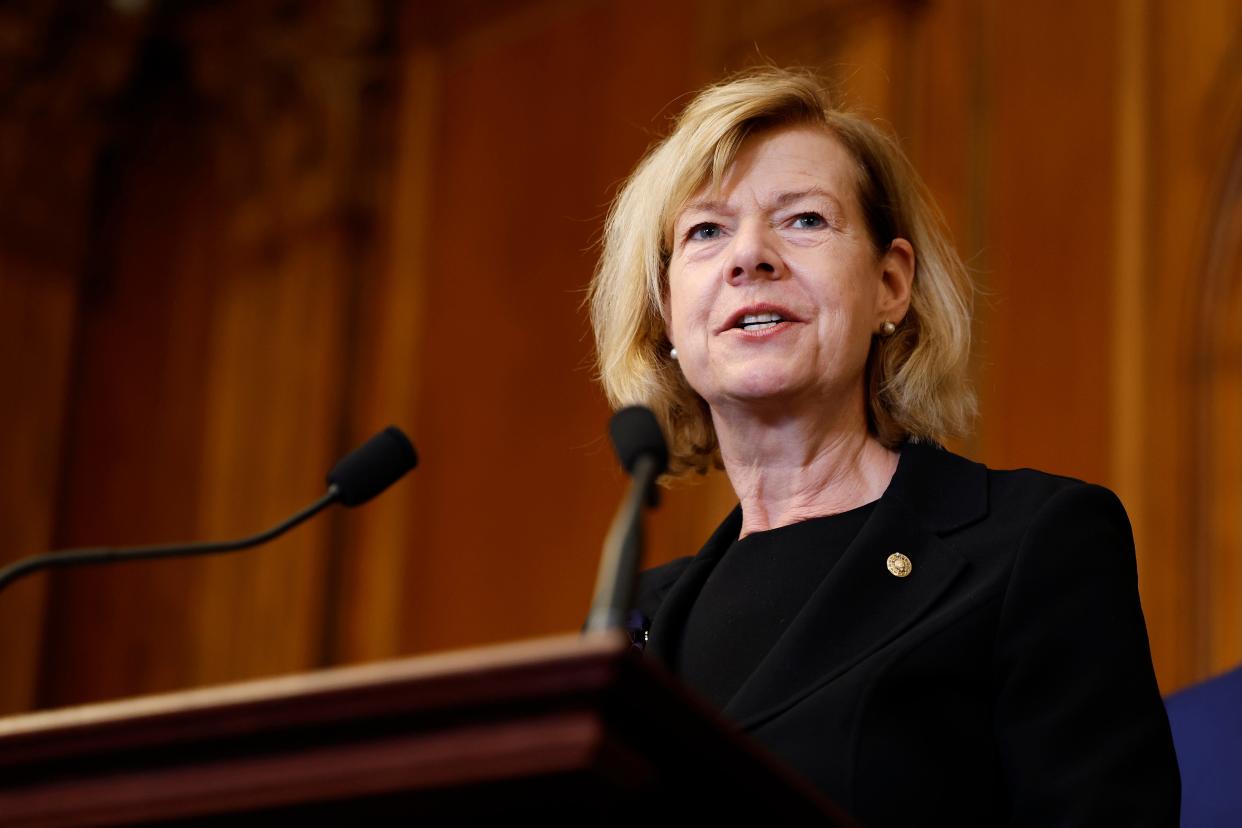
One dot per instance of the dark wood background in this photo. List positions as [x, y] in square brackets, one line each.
[238, 237]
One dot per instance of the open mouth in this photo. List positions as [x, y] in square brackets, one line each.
[759, 321]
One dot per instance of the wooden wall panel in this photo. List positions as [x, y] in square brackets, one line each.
[1164, 523]
[375, 546]
[37, 312]
[1193, 134]
[1048, 254]
[53, 79]
[132, 467]
[1131, 255]
[1222, 479]
[209, 374]
[1218, 360]
[517, 480]
[273, 392]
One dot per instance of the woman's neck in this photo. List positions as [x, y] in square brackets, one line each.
[801, 468]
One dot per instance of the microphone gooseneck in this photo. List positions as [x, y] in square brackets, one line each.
[640, 447]
[359, 476]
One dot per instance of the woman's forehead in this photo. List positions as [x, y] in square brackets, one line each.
[780, 165]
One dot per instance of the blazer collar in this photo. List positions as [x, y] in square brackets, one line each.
[860, 606]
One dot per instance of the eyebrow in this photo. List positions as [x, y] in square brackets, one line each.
[782, 200]
[705, 206]
[787, 198]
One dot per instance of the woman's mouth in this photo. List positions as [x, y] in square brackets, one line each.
[759, 321]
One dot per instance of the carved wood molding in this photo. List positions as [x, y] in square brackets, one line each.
[283, 94]
[289, 92]
[61, 65]
[812, 32]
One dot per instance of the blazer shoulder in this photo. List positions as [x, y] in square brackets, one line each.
[952, 492]
[1025, 496]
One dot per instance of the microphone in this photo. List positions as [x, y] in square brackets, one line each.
[637, 439]
[372, 467]
[640, 447]
[359, 476]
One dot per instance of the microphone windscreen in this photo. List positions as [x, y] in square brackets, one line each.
[635, 432]
[373, 466]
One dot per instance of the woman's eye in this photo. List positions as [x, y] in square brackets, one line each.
[809, 220]
[704, 231]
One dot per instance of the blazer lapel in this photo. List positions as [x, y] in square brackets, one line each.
[670, 619]
[860, 606]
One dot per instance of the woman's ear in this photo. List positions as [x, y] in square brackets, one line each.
[896, 282]
[667, 316]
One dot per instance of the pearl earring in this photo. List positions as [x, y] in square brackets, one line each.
[672, 352]
[887, 329]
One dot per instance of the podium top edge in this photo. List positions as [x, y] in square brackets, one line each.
[332, 680]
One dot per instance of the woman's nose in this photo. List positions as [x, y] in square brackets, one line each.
[753, 255]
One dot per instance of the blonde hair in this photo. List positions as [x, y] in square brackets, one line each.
[917, 385]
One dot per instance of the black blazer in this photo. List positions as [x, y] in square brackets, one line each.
[1006, 679]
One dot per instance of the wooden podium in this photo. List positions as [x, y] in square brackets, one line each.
[565, 730]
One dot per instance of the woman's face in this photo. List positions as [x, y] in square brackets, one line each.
[775, 288]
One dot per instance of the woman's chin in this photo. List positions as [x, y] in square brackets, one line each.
[777, 389]
[762, 391]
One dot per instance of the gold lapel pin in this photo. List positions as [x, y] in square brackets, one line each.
[899, 565]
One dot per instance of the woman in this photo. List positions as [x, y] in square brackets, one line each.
[927, 640]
